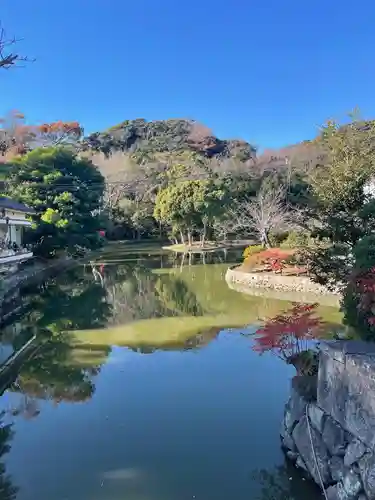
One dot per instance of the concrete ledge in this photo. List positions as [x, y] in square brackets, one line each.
[270, 281]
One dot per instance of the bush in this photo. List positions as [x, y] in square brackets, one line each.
[297, 239]
[276, 239]
[252, 250]
[297, 258]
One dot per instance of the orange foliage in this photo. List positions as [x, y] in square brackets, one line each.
[17, 138]
[60, 127]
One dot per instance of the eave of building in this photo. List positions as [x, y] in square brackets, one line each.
[15, 222]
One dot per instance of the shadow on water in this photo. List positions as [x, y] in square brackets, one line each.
[284, 482]
[119, 306]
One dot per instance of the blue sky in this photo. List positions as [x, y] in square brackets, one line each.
[268, 71]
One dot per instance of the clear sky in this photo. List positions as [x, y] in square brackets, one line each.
[268, 71]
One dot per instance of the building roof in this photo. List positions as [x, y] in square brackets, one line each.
[10, 204]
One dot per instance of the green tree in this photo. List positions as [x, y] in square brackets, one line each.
[66, 192]
[189, 205]
[341, 204]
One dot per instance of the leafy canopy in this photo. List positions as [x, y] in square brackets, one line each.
[66, 193]
[189, 204]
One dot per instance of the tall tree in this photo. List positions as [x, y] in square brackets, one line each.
[66, 192]
[342, 198]
[189, 206]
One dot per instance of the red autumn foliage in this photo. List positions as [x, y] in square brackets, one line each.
[290, 332]
[276, 265]
[16, 137]
[274, 254]
[57, 132]
[273, 258]
[364, 286]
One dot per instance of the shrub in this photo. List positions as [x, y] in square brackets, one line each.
[276, 239]
[275, 257]
[297, 239]
[252, 250]
[296, 259]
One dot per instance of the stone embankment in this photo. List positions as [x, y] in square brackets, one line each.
[329, 427]
[301, 284]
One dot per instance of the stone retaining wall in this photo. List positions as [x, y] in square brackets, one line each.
[303, 297]
[340, 422]
[276, 282]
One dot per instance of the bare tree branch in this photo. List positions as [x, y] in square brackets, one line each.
[9, 59]
[264, 213]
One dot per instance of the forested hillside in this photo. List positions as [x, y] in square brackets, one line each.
[150, 140]
[144, 163]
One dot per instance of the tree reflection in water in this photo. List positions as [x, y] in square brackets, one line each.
[135, 293]
[59, 371]
[292, 336]
[284, 482]
[7, 490]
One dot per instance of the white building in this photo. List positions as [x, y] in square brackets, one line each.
[13, 220]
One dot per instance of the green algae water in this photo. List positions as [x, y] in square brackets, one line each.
[145, 388]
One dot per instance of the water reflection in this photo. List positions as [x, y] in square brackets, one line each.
[8, 491]
[284, 482]
[174, 413]
[54, 372]
[134, 293]
[81, 314]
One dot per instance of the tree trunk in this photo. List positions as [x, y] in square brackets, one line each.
[204, 233]
[265, 240]
[189, 238]
[182, 237]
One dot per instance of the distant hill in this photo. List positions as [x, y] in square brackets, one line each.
[154, 139]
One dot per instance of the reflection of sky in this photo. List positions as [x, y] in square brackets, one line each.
[184, 423]
[5, 352]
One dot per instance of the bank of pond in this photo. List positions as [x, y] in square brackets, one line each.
[146, 386]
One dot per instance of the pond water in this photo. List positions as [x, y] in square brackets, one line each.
[145, 388]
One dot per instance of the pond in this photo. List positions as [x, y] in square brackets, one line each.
[145, 388]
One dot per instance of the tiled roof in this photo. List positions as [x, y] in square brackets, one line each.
[15, 205]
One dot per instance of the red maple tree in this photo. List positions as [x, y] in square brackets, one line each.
[289, 333]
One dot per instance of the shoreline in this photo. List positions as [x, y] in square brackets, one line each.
[255, 282]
